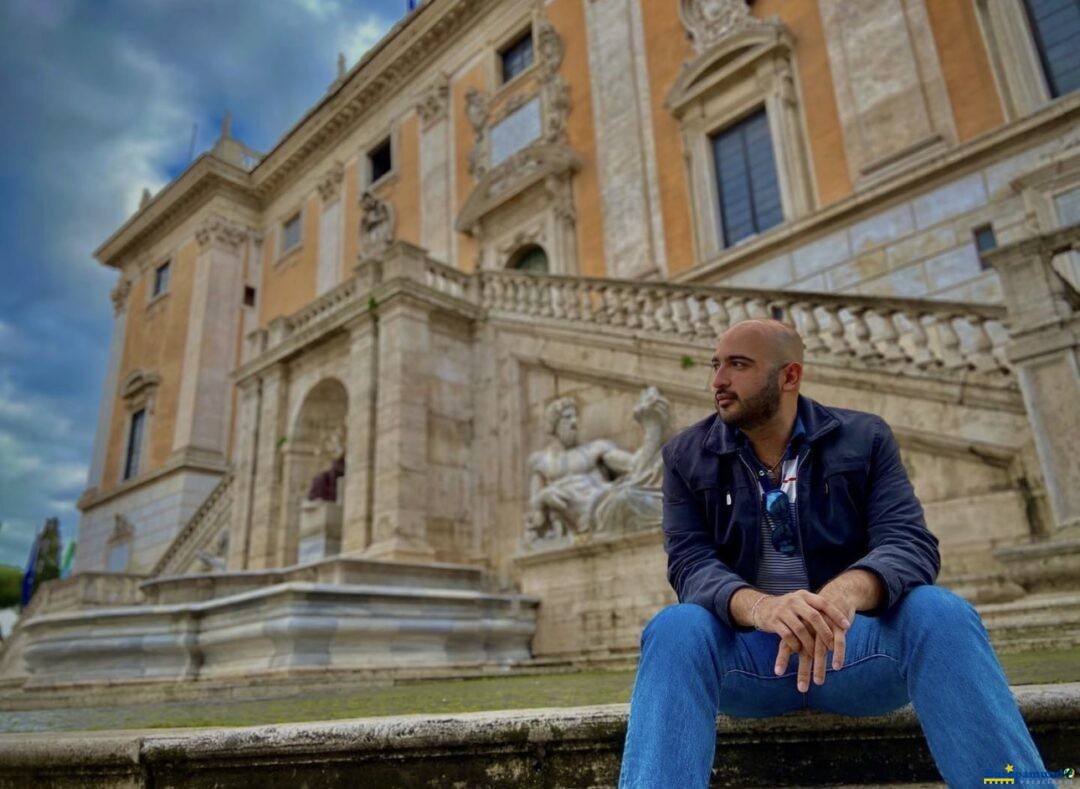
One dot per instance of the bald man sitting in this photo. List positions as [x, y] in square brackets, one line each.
[799, 552]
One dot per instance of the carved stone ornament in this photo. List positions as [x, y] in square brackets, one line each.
[581, 489]
[554, 94]
[433, 102]
[218, 231]
[711, 21]
[377, 224]
[120, 294]
[330, 184]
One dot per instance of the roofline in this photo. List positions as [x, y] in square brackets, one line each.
[366, 83]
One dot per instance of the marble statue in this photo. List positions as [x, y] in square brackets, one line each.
[596, 486]
[324, 486]
[376, 224]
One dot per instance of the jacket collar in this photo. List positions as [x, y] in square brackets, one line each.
[817, 421]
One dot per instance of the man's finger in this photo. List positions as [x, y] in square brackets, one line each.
[799, 629]
[820, 663]
[782, 658]
[818, 624]
[839, 646]
[829, 608]
[806, 662]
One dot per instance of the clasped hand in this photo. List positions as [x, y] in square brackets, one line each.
[809, 625]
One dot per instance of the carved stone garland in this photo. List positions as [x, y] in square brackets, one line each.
[711, 21]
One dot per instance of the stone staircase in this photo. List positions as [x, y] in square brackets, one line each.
[1040, 621]
[576, 747]
[331, 615]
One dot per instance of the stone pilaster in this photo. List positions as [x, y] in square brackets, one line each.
[436, 207]
[361, 376]
[120, 296]
[205, 402]
[331, 226]
[256, 523]
[633, 224]
[1044, 330]
[401, 481]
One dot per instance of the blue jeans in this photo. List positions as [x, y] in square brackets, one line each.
[930, 649]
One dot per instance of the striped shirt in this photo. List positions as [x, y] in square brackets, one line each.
[777, 573]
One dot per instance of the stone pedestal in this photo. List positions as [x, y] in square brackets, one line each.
[320, 530]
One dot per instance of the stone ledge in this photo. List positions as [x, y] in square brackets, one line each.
[522, 748]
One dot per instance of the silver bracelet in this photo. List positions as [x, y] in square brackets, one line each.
[753, 608]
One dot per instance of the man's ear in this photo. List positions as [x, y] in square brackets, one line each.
[791, 377]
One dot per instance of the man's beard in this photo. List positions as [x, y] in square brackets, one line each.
[755, 410]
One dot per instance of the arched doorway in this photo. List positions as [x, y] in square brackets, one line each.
[530, 258]
[313, 460]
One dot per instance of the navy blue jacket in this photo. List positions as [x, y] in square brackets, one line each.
[856, 509]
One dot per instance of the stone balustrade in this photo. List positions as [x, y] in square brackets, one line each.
[873, 332]
[954, 339]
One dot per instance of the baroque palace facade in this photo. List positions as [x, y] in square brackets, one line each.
[394, 390]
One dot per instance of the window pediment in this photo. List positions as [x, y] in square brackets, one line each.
[521, 171]
[727, 58]
[139, 387]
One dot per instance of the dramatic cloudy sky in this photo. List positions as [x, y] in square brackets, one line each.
[99, 99]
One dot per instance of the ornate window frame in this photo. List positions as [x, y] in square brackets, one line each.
[529, 194]
[1014, 57]
[139, 393]
[280, 252]
[743, 64]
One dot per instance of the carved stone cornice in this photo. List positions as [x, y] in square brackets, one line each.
[119, 295]
[539, 163]
[434, 102]
[216, 231]
[709, 22]
[381, 73]
[329, 185]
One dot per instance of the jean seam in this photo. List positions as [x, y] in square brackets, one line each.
[755, 675]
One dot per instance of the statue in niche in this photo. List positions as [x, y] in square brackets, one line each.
[324, 486]
[376, 224]
[596, 487]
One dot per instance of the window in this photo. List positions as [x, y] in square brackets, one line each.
[380, 160]
[290, 233]
[249, 296]
[517, 56]
[532, 259]
[985, 240]
[746, 182]
[161, 278]
[134, 445]
[1055, 25]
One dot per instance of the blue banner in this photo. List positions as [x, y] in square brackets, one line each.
[31, 571]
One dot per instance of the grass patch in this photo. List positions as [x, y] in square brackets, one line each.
[428, 697]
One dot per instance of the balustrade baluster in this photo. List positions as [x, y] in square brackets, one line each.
[755, 308]
[883, 335]
[664, 312]
[981, 354]
[629, 301]
[718, 317]
[833, 331]
[681, 315]
[806, 324]
[736, 307]
[699, 316]
[860, 335]
[949, 343]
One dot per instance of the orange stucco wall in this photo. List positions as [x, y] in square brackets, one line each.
[402, 190]
[820, 113]
[154, 342]
[463, 143]
[966, 67]
[666, 49]
[288, 283]
[568, 18]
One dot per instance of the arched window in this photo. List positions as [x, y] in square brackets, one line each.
[531, 258]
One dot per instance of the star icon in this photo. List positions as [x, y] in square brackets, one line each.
[1008, 768]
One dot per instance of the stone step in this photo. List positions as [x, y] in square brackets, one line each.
[1043, 621]
[578, 747]
[280, 628]
[337, 570]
